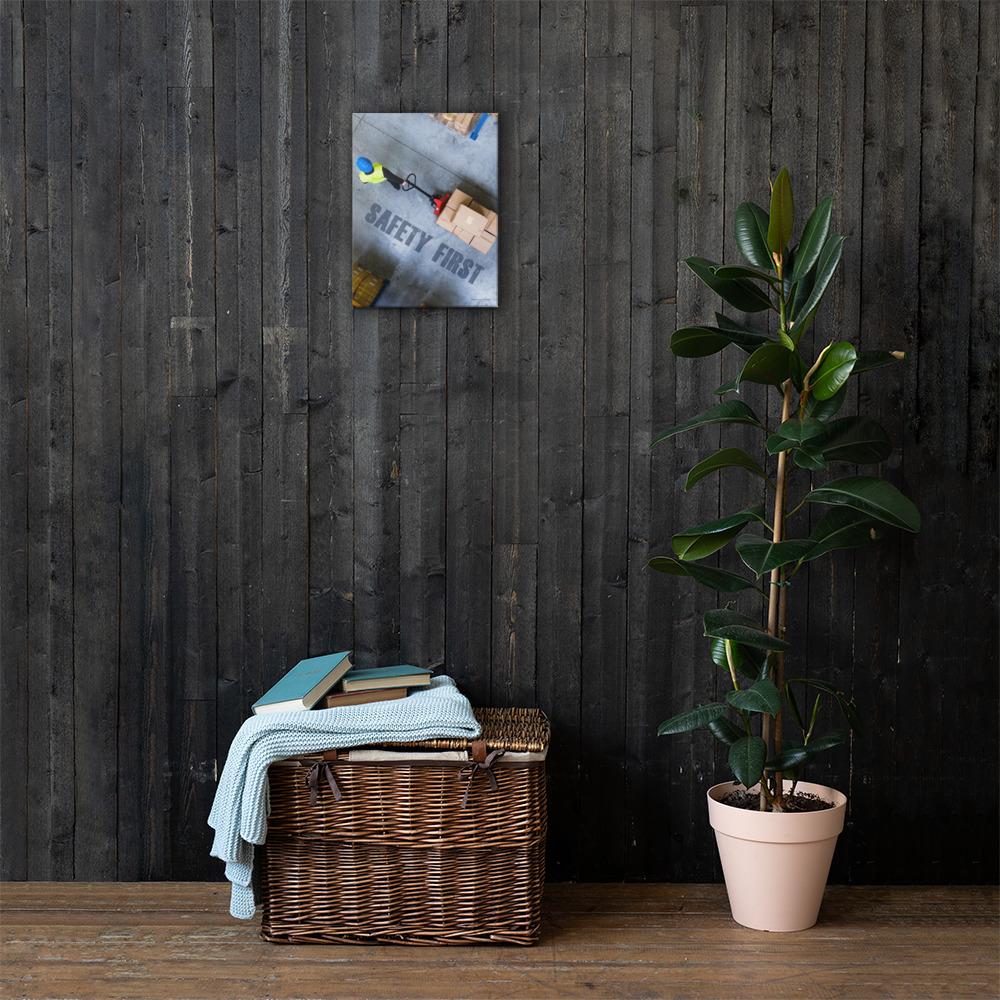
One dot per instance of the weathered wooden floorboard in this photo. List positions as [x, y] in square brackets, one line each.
[176, 940]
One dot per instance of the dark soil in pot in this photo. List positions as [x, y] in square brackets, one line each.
[800, 802]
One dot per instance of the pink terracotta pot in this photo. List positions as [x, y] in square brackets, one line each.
[776, 864]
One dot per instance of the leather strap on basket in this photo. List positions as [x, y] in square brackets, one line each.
[476, 765]
[321, 767]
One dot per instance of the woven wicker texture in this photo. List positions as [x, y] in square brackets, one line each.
[404, 856]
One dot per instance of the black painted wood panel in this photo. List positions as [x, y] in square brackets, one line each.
[213, 466]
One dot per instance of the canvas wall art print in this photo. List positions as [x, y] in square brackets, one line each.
[425, 210]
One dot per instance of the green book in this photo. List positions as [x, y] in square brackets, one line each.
[305, 683]
[373, 678]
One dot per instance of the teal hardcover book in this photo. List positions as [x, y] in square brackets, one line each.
[373, 678]
[305, 683]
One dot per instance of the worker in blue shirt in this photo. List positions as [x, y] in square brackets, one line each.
[375, 173]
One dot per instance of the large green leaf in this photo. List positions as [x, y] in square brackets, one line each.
[792, 754]
[859, 440]
[871, 496]
[794, 433]
[694, 718]
[824, 409]
[704, 539]
[763, 697]
[703, 341]
[717, 579]
[750, 229]
[779, 229]
[746, 758]
[834, 370]
[726, 624]
[733, 411]
[806, 458]
[829, 258]
[722, 729]
[761, 556]
[823, 743]
[840, 528]
[725, 458]
[749, 662]
[729, 272]
[738, 292]
[869, 360]
[813, 237]
[725, 322]
[770, 364]
[846, 702]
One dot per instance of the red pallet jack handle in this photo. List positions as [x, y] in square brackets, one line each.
[438, 201]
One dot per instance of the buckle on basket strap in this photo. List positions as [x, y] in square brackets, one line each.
[475, 766]
[312, 781]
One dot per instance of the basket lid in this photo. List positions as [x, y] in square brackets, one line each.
[518, 730]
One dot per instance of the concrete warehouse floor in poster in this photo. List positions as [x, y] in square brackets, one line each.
[395, 234]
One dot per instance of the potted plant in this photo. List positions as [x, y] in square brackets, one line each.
[776, 834]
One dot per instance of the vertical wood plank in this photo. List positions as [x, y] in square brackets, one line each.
[655, 53]
[377, 47]
[423, 372]
[192, 419]
[889, 320]
[96, 434]
[749, 31]
[700, 231]
[794, 114]
[50, 470]
[239, 357]
[284, 304]
[984, 366]
[192, 631]
[980, 481]
[330, 92]
[605, 437]
[839, 152]
[560, 416]
[940, 632]
[515, 360]
[468, 599]
[14, 442]
[146, 679]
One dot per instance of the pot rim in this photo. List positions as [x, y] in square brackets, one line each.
[771, 827]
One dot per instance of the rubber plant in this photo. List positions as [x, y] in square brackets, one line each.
[811, 439]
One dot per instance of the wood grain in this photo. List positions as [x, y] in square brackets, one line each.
[213, 465]
[177, 940]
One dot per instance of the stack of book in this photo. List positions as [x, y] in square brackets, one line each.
[331, 681]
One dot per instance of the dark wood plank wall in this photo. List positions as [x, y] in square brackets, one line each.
[212, 466]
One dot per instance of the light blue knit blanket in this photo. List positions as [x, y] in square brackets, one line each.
[239, 812]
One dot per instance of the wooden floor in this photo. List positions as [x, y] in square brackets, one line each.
[176, 940]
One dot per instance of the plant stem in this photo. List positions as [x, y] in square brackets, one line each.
[776, 595]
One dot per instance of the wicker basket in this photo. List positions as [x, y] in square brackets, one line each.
[441, 847]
